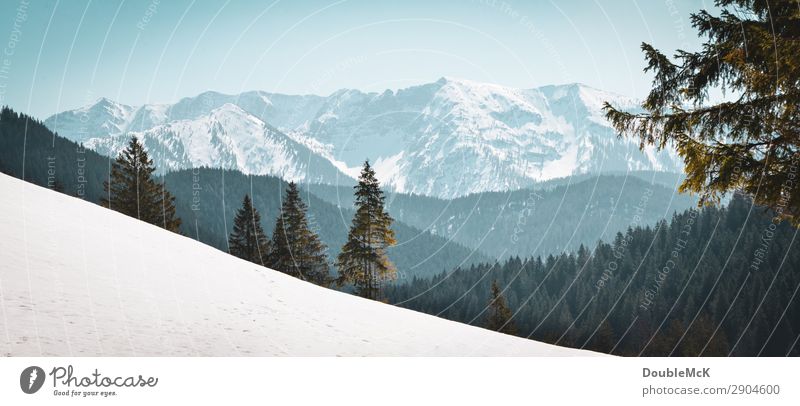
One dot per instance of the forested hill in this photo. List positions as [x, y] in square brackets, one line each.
[206, 199]
[209, 198]
[714, 282]
[549, 218]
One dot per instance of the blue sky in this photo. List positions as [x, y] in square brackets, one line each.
[60, 55]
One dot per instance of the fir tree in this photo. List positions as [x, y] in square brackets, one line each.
[363, 261]
[749, 142]
[247, 240]
[296, 249]
[133, 191]
[498, 317]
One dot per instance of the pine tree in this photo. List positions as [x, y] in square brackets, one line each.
[749, 142]
[498, 317]
[363, 261]
[133, 191]
[247, 240]
[296, 249]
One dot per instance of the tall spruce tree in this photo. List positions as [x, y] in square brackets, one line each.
[247, 240]
[133, 191]
[750, 141]
[363, 261]
[498, 316]
[296, 249]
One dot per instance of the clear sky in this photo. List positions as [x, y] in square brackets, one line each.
[64, 54]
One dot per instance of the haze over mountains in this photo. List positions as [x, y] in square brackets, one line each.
[446, 139]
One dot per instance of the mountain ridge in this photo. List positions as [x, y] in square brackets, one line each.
[447, 139]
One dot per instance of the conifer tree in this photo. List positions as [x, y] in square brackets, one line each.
[296, 249]
[498, 317]
[751, 140]
[363, 261]
[133, 191]
[247, 240]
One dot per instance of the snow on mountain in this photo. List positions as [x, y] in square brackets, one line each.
[70, 287]
[99, 119]
[227, 137]
[448, 138]
[454, 137]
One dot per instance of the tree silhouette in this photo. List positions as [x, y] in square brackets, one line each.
[363, 261]
[133, 191]
[247, 240]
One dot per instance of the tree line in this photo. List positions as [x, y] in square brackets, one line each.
[206, 199]
[294, 247]
[711, 282]
[707, 331]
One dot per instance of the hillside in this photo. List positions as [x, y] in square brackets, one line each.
[555, 216]
[721, 281]
[80, 280]
[207, 198]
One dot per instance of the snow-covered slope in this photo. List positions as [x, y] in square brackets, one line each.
[77, 279]
[448, 138]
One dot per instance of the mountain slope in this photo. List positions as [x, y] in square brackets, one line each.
[228, 137]
[82, 280]
[206, 199]
[454, 137]
[555, 216]
[701, 283]
[446, 139]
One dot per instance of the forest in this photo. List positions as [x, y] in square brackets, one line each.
[716, 281]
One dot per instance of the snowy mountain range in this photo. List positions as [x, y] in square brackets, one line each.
[446, 139]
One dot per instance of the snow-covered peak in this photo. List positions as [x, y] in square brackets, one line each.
[588, 97]
[231, 111]
[227, 137]
[446, 138]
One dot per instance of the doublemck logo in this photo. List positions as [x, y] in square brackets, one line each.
[31, 379]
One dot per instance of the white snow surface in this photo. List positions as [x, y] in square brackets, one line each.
[80, 280]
